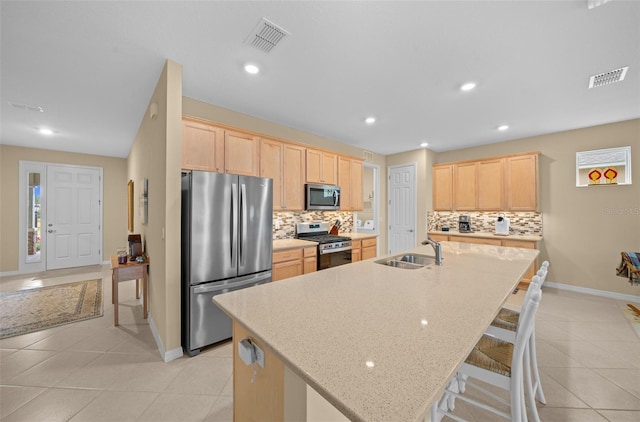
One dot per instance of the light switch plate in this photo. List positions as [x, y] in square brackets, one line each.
[259, 355]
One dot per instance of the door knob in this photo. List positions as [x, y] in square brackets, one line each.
[51, 231]
[50, 224]
[410, 230]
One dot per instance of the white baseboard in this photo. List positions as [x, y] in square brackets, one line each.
[8, 273]
[167, 356]
[595, 292]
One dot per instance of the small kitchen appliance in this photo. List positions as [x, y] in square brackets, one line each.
[502, 225]
[332, 250]
[135, 246]
[464, 224]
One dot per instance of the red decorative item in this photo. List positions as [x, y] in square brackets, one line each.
[594, 176]
[610, 174]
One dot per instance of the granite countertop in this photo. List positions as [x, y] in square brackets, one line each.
[490, 235]
[283, 244]
[414, 326]
[359, 236]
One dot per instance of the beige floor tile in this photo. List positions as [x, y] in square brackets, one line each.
[222, 410]
[108, 369]
[178, 407]
[12, 398]
[557, 395]
[550, 414]
[63, 339]
[595, 390]
[53, 405]
[53, 370]
[151, 376]
[20, 361]
[228, 388]
[622, 350]
[553, 330]
[25, 340]
[629, 379]
[224, 350]
[202, 376]
[101, 341]
[112, 406]
[621, 415]
[590, 355]
[549, 356]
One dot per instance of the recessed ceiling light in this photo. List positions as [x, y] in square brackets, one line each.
[370, 120]
[503, 127]
[46, 131]
[468, 86]
[251, 69]
[424, 144]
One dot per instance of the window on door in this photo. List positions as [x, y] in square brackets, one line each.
[33, 218]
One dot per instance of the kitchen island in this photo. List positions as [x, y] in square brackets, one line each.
[378, 343]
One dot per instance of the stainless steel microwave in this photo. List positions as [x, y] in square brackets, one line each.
[322, 197]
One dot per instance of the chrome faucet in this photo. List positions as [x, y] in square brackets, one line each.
[436, 247]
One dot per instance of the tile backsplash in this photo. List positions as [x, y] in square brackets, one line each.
[289, 219]
[522, 223]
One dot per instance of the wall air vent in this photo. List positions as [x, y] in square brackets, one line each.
[368, 156]
[266, 35]
[607, 78]
[27, 107]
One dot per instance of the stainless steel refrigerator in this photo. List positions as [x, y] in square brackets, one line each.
[226, 245]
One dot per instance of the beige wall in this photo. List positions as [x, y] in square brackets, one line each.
[586, 228]
[114, 218]
[156, 155]
[227, 117]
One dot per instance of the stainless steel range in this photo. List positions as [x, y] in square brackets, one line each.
[332, 250]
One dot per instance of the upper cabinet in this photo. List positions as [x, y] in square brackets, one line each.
[202, 146]
[285, 164]
[321, 167]
[350, 182]
[442, 187]
[241, 153]
[492, 184]
[522, 182]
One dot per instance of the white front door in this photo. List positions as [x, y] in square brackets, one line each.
[73, 217]
[402, 208]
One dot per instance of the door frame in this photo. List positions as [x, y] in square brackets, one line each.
[415, 202]
[41, 167]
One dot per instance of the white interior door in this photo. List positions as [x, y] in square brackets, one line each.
[73, 217]
[402, 208]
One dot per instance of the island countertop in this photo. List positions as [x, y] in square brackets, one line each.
[380, 343]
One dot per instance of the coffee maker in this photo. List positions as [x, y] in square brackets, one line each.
[464, 224]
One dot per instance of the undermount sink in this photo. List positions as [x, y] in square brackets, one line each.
[409, 261]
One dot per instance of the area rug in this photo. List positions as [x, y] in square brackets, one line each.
[633, 318]
[26, 311]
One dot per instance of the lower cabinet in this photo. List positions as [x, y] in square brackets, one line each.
[356, 250]
[369, 248]
[293, 262]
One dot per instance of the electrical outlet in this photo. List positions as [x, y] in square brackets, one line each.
[245, 348]
[259, 355]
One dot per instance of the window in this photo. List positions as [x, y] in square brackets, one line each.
[611, 166]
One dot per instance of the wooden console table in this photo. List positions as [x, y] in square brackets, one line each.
[132, 270]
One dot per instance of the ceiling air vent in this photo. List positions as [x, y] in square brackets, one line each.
[607, 78]
[266, 35]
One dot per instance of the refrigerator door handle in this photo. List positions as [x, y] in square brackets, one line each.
[243, 223]
[233, 286]
[234, 224]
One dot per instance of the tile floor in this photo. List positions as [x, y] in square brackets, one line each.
[588, 353]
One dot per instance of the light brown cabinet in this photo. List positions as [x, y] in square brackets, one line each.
[310, 260]
[526, 279]
[321, 167]
[476, 240]
[465, 187]
[439, 237]
[356, 250]
[241, 153]
[492, 184]
[442, 187]
[286, 264]
[350, 182]
[202, 146]
[363, 249]
[369, 247]
[284, 163]
[293, 262]
[522, 182]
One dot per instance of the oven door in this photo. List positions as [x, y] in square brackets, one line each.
[334, 259]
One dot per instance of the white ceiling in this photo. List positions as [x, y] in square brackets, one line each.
[93, 66]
